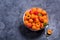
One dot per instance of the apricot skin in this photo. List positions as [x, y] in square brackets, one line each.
[49, 31]
[31, 20]
[29, 25]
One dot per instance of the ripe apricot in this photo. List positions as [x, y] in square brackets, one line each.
[29, 25]
[25, 22]
[37, 25]
[41, 25]
[34, 28]
[32, 16]
[37, 28]
[45, 17]
[49, 31]
[36, 13]
[36, 16]
[27, 13]
[32, 10]
[44, 12]
[28, 16]
[39, 10]
[41, 19]
[25, 18]
[45, 21]
[30, 20]
[36, 19]
[33, 24]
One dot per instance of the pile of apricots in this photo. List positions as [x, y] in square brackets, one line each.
[35, 18]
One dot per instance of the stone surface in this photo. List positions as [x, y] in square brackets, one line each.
[11, 22]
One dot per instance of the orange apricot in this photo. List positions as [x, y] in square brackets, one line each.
[45, 21]
[33, 24]
[32, 10]
[44, 12]
[37, 20]
[37, 28]
[34, 28]
[41, 19]
[28, 16]
[32, 16]
[36, 16]
[27, 13]
[29, 25]
[25, 18]
[30, 20]
[39, 10]
[36, 13]
[49, 31]
[45, 17]
[37, 25]
[41, 25]
[25, 22]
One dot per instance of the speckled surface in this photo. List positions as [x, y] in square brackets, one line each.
[11, 24]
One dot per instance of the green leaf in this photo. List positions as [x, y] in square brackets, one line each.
[39, 14]
[45, 24]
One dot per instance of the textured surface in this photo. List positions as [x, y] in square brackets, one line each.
[11, 24]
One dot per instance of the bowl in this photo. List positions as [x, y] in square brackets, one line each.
[35, 19]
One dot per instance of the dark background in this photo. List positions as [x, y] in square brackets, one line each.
[11, 24]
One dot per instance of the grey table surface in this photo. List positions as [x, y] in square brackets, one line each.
[11, 24]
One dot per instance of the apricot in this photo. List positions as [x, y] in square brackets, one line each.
[39, 10]
[25, 18]
[37, 28]
[36, 16]
[30, 20]
[28, 16]
[36, 13]
[25, 22]
[37, 25]
[45, 21]
[45, 17]
[41, 25]
[34, 28]
[32, 10]
[32, 16]
[33, 24]
[36, 20]
[29, 25]
[41, 19]
[44, 12]
[27, 13]
[49, 31]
